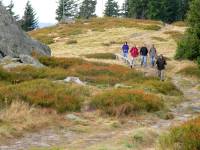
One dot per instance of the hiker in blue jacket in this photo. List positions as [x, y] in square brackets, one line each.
[125, 49]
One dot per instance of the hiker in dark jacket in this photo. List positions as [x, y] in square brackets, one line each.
[161, 63]
[152, 55]
[143, 54]
[125, 49]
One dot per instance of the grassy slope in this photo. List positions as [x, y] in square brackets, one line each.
[103, 36]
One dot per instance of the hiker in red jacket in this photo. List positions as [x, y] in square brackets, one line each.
[134, 53]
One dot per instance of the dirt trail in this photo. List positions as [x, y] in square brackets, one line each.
[83, 140]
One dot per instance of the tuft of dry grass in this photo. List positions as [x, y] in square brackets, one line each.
[122, 102]
[183, 137]
[71, 41]
[180, 24]
[160, 39]
[19, 117]
[192, 71]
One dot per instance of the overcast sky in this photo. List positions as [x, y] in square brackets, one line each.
[45, 9]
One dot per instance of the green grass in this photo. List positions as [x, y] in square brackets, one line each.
[27, 81]
[122, 102]
[192, 71]
[27, 73]
[183, 137]
[166, 88]
[45, 93]
[101, 56]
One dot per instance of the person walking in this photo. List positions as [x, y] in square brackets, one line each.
[134, 53]
[143, 54]
[152, 54]
[125, 50]
[161, 63]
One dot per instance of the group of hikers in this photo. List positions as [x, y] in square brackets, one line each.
[155, 59]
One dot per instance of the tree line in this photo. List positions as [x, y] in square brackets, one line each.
[189, 45]
[29, 21]
[164, 10]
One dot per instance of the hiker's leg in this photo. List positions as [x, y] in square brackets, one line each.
[152, 61]
[162, 75]
[145, 61]
[142, 60]
[124, 54]
[159, 74]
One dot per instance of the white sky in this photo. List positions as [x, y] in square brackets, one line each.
[45, 9]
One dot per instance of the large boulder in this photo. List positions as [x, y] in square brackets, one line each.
[14, 41]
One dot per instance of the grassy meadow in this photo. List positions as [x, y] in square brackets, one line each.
[114, 94]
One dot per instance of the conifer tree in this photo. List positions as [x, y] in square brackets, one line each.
[10, 10]
[87, 9]
[189, 47]
[138, 9]
[29, 20]
[112, 9]
[125, 9]
[68, 6]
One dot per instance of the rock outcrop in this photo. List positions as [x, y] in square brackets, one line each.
[14, 41]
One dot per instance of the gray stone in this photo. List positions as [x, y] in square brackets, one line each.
[26, 59]
[73, 117]
[14, 41]
[119, 85]
[74, 80]
[12, 65]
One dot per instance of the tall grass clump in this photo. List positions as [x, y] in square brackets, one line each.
[45, 93]
[183, 137]
[60, 62]
[100, 73]
[121, 102]
[192, 71]
[166, 88]
[27, 73]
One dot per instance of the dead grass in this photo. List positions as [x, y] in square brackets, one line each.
[176, 35]
[47, 35]
[159, 39]
[180, 24]
[101, 56]
[19, 117]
